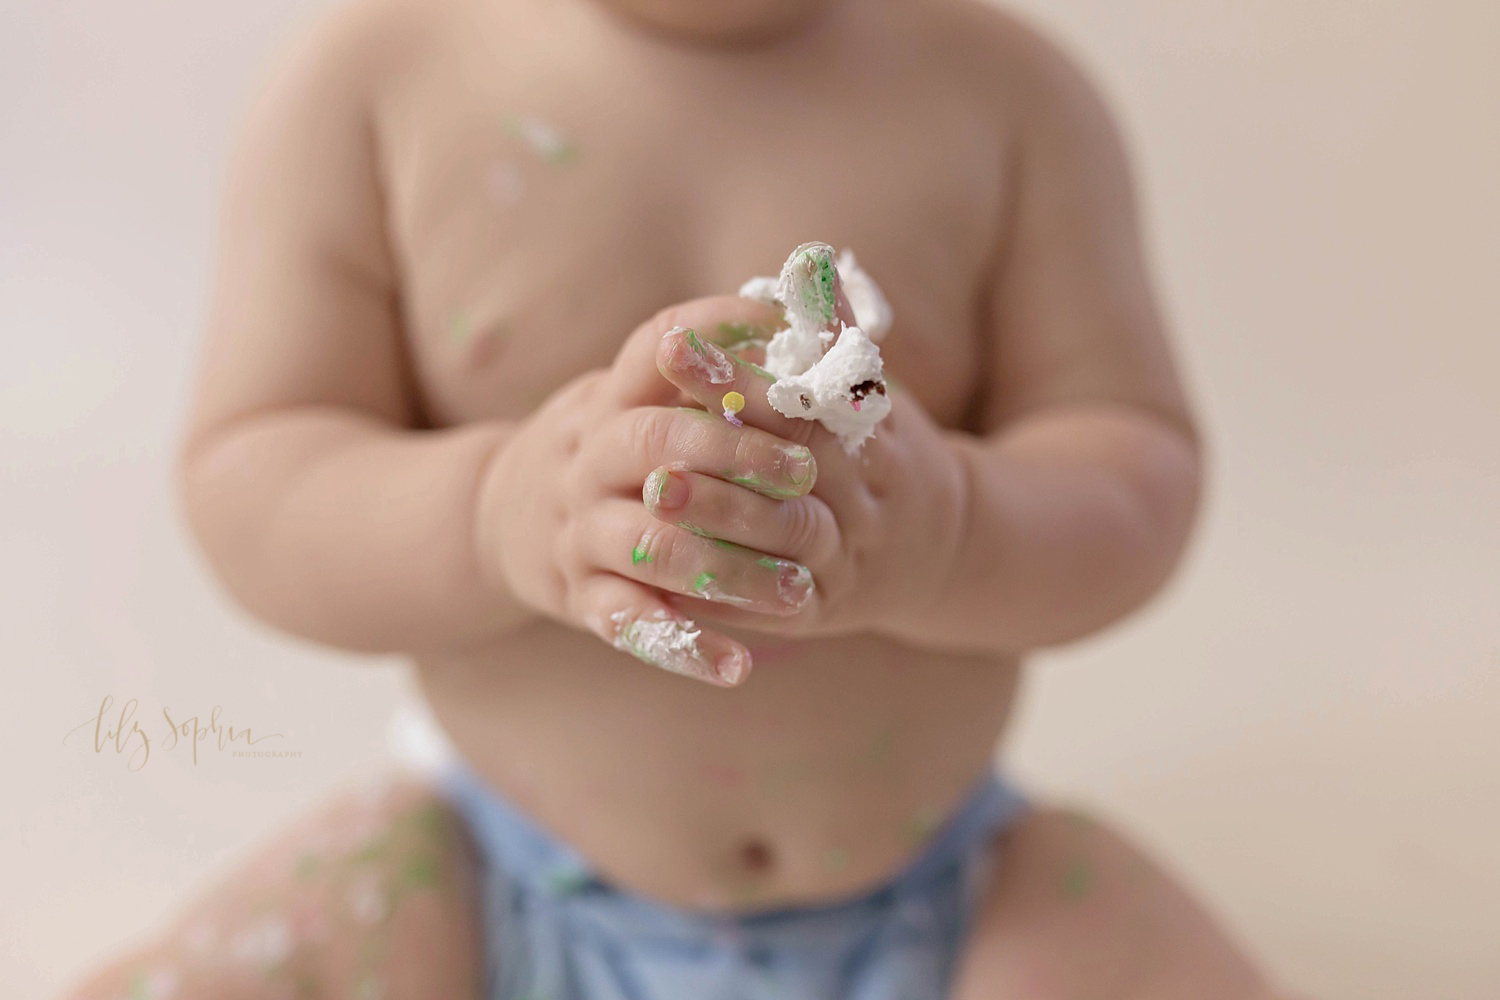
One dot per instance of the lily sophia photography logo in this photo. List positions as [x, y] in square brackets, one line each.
[127, 736]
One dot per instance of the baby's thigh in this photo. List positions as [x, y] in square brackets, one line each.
[1077, 912]
[373, 897]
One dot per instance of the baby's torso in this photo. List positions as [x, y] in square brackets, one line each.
[552, 181]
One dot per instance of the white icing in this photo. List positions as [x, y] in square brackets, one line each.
[267, 942]
[760, 289]
[872, 313]
[366, 902]
[815, 372]
[662, 641]
[823, 392]
[793, 351]
[809, 312]
[794, 583]
[809, 300]
[707, 359]
[711, 591]
[546, 140]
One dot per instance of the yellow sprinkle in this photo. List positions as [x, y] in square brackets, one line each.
[734, 402]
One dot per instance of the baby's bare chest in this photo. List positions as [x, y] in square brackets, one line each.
[535, 227]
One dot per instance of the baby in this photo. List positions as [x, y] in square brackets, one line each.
[724, 684]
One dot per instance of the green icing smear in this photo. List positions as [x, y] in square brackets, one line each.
[1077, 880]
[422, 871]
[544, 140]
[308, 866]
[639, 555]
[567, 882]
[732, 335]
[373, 850]
[459, 328]
[826, 298]
[762, 485]
[923, 825]
[757, 369]
[702, 580]
[815, 276]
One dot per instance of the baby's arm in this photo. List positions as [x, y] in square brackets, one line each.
[1083, 483]
[316, 501]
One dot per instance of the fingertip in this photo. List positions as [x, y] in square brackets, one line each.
[685, 358]
[666, 349]
[733, 664]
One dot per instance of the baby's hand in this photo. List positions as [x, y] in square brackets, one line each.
[879, 532]
[725, 516]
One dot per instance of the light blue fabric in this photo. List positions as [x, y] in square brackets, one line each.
[555, 931]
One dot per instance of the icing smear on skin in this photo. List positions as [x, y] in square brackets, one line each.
[826, 371]
[669, 643]
[705, 358]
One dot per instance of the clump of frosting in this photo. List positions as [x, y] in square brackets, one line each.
[824, 370]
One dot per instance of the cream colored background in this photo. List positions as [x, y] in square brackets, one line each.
[1307, 723]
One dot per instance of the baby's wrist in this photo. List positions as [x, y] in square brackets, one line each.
[910, 603]
[492, 541]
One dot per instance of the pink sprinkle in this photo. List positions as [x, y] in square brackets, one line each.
[729, 416]
[854, 403]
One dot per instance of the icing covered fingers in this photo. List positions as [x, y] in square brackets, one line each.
[801, 528]
[625, 615]
[689, 439]
[683, 559]
[713, 377]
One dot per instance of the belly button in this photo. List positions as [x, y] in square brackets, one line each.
[756, 856]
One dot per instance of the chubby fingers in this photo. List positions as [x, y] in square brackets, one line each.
[709, 375]
[799, 528]
[623, 538]
[634, 619]
[632, 443]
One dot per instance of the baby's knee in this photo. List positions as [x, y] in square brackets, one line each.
[373, 897]
[1077, 908]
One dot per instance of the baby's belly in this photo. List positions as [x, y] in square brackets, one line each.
[822, 774]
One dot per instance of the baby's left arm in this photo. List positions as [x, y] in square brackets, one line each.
[1084, 479]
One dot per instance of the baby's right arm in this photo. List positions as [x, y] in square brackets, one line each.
[320, 508]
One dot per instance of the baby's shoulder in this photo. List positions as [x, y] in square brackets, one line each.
[1011, 61]
[362, 49]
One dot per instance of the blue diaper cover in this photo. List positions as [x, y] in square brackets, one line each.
[553, 930]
